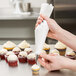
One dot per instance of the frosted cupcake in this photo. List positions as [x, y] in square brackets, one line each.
[31, 58]
[70, 54]
[28, 50]
[46, 47]
[35, 69]
[22, 57]
[23, 45]
[61, 48]
[3, 53]
[12, 60]
[54, 51]
[7, 54]
[9, 45]
[16, 51]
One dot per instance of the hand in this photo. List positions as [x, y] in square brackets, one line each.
[54, 62]
[53, 26]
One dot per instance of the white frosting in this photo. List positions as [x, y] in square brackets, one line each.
[31, 56]
[9, 53]
[28, 49]
[3, 51]
[42, 29]
[35, 66]
[9, 44]
[24, 44]
[54, 51]
[17, 49]
[12, 58]
[70, 53]
[46, 46]
[60, 45]
[23, 54]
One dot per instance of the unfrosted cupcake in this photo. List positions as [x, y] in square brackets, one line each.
[35, 69]
[7, 54]
[9, 45]
[12, 60]
[16, 51]
[70, 54]
[23, 45]
[61, 48]
[46, 47]
[22, 57]
[28, 50]
[31, 58]
[3, 53]
[54, 51]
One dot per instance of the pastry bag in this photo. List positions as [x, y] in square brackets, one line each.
[42, 29]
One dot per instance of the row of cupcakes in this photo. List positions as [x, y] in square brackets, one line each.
[9, 45]
[14, 56]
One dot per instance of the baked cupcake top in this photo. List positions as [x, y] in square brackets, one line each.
[9, 53]
[3, 51]
[12, 58]
[70, 53]
[35, 67]
[24, 45]
[16, 49]
[28, 49]
[9, 44]
[23, 54]
[54, 51]
[60, 45]
[31, 56]
[46, 46]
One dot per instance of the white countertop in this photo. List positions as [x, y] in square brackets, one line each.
[25, 70]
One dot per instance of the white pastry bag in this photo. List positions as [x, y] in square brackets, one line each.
[42, 29]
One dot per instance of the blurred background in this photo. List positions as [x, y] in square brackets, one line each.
[18, 18]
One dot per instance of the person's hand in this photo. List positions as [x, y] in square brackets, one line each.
[53, 26]
[54, 62]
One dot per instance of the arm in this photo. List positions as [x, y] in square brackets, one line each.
[67, 38]
[56, 32]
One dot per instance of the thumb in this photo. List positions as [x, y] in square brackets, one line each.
[45, 56]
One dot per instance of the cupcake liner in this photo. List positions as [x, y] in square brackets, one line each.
[22, 59]
[13, 63]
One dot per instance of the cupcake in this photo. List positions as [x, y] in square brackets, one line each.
[3, 53]
[16, 50]
[7, 54]
[23, 45]
[9, 45]
[31, 58]
[35, 69]
[61, 48]
[54, 51]
[46, 47]
[70, 54]
[22, 57]
[28, 50]
[12, 60]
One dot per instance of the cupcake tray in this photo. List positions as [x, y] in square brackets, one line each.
[25, 70]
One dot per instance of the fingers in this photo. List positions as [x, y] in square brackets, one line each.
[44, 64]
[39, 21]
[44, 17]
[45, 56]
